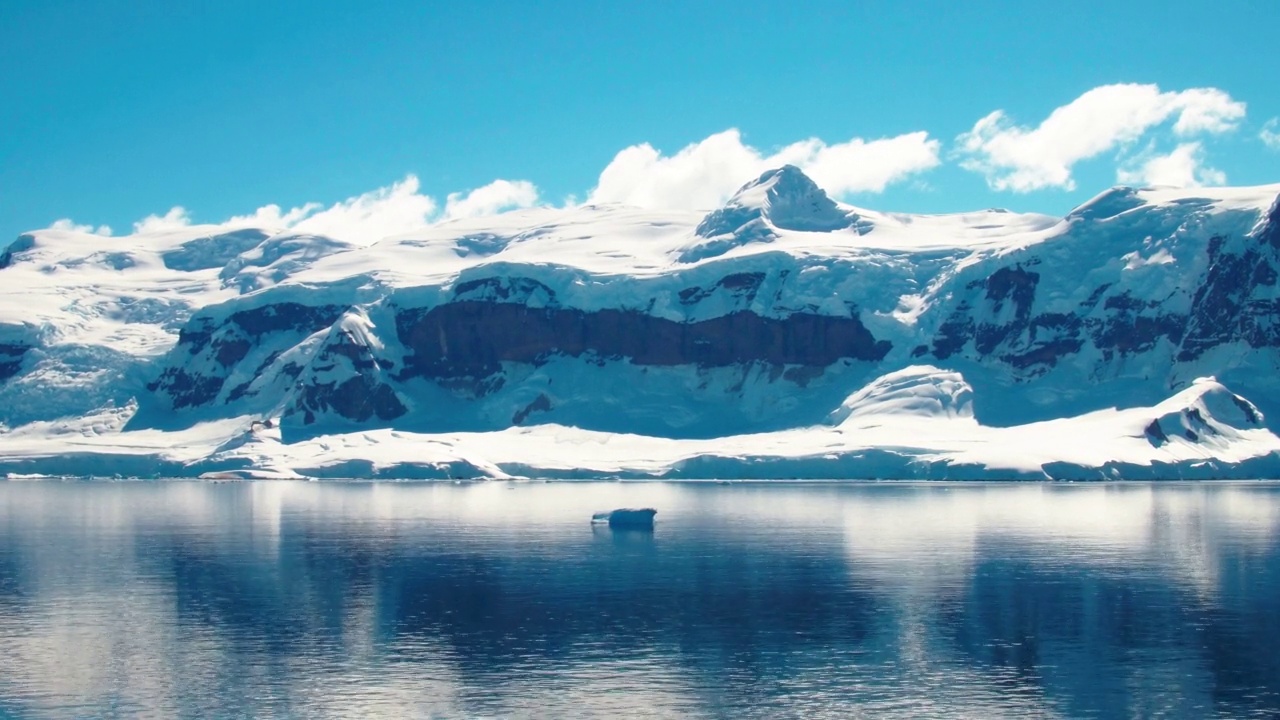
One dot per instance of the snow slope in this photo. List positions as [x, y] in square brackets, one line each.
[782, 335]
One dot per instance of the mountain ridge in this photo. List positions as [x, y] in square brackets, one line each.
[761, 319]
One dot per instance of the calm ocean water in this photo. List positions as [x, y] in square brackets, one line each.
[316, 600]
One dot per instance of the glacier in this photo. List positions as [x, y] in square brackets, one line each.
[783, 335]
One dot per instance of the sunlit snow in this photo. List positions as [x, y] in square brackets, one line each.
[101, 317]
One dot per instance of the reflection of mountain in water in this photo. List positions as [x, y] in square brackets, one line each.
[746, 601]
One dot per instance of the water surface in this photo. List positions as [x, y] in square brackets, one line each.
[283, 599]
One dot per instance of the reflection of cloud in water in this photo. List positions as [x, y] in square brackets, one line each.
[924, 538]
[1056, 579]
[500, 599]
[78, 642]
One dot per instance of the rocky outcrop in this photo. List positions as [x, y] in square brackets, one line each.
[1213, 412]
[1237, 301]
[1001, 317]
[471, 339]
[345, 381]
[212, 349]
[327, 366]
[16, 341]
[24, 243]
[11, 355]
[1001, 325]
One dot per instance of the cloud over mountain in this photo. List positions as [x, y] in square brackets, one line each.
[491, 199]
[1155, 137]
[704, 174]
[1021, 158]
[1184, 167]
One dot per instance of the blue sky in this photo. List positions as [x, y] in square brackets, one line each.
[113, 111]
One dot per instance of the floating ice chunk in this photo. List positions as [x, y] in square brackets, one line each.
[626, 518]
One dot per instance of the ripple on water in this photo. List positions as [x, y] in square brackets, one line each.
[746, 600]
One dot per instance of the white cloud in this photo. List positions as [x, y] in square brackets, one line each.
[700, 176]
[271, 216]
[393, 210]
[491, 199]
[1271, 134]
[704, 174]
[175, 219]
[865, 166]
[268, 217]
[1204, 110]
[68, 225]
[1021, 159]
[1184, 167]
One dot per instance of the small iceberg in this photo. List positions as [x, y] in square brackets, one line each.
[626, 518]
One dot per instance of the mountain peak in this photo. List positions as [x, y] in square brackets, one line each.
[785, 175]
[784, 198]
[1108, 204]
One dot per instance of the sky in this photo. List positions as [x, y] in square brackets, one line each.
[124, 114]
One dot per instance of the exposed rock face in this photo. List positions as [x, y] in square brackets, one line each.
[345, 378]
[542, 403]
[469, 339]
[1237, 301]
[209, 352]
[22, 244]
[1003, 318]
[1000, 325]
[15, 342]
[11, 355]
[326, 366]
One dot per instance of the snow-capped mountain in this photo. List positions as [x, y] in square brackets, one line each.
[781, 199]
[781, 335]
